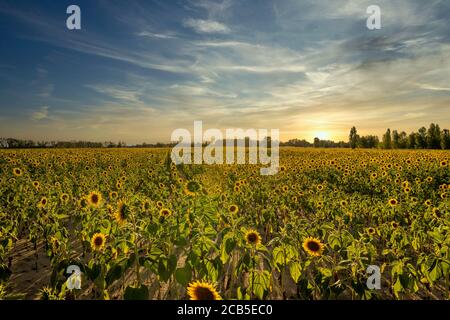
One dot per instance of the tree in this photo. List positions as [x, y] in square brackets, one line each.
[353, 138]
[387, 142]
[411, 140]
[421, 138]
[395, 139]
[445, 139]
[433, 137]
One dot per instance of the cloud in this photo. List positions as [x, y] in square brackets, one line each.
[40, 114]
[206, 26]
[156, 35]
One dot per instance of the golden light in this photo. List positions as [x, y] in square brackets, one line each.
[322, 135]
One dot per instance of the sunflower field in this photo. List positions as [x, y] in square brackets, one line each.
[139, 227]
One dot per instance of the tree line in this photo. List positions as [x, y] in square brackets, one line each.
[431, 138]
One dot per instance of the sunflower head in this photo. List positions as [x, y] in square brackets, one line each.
[43, 202]
[200, 290]
[371, 231]
[393, 202]
[113, 195]
[427, 202]
[394, 224]
[252, 237]
[234, 208]
[98, 241]
[64, 197]
[94, 199]
[17, 172]
[444, 163]
[36, 184]
[159, 204]
[122, 212]
[192, 188]
[164, 212]
[313, 246]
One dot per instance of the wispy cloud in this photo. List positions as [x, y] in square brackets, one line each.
[40, 114]
[206, 26]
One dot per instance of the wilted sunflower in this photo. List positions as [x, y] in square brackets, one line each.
[393, 202]
[121, 213]
[164, 212]
[192, 188]
[98, 241]
[313, 246]
[233, 209]
[17, 172]
[94, 199]
[200, 290]
[252, 237]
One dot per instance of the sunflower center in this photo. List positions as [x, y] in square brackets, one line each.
[202, 293]
[98, 241]
[313, 246]
[94, 198]
[252, 238]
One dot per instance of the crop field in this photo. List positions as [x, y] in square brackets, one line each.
[139, 227]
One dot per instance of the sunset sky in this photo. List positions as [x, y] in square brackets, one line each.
[140, 69]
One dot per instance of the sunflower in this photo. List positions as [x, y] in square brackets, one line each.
[252, 237]
[94, 199]
[159, 204]
[98, 241]
[233, 209]
[200, 290]
[319, 187]
[43, 202]
[444, 163]
[121, 213]
[285, 189]
[344, 203]
[394, 224]
[113, 194]
[393, 202]
[192, 188]
[17, 172]
[36, 184]
[371, 231]
[427, 202]
[313, 246]
[429, 179]
[437, 212]
[164, 212]
[64, 197]
[146, 205]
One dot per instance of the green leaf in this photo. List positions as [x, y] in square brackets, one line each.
[295, 270]
[113, 274]
[132, 293]
[184, 275]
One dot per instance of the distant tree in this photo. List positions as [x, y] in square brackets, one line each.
[387, 141]
[433, 137]
[421, 138]
[445, 139]
[395, 139]
[411, 140]
[353, 138]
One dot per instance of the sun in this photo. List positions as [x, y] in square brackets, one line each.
[322, 135]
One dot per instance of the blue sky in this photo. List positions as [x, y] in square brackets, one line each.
[140, 69]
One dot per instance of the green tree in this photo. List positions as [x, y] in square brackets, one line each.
[353, 138]
[433, 137]
[412, 140]
[387, 140]
[421, 138]
[445, 139]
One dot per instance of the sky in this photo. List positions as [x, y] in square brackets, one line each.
[137, 70]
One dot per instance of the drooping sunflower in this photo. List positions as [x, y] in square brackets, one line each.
[94, 199]
[200, 290]
[192, 188]
[233, 209]
[121, 213]
[393, 202]
[164, 212]
[98, 241]
[252, 237]
[313, 246]
[17, 172]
